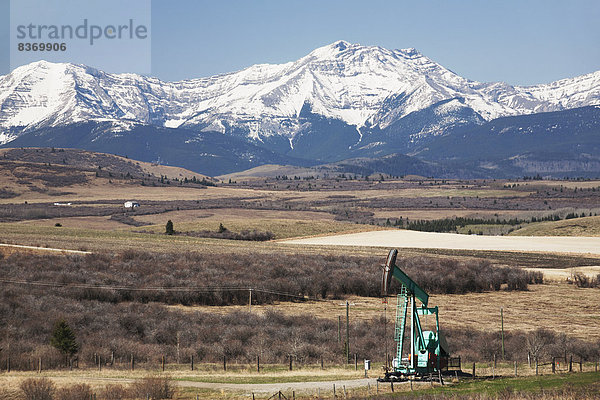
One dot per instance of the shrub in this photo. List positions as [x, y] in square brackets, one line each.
[114, 392]
[153, 387]
[169, 228]
[583, 281]
[80, 391]
[38, 389]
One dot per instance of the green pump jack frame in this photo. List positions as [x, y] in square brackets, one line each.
[423, 344]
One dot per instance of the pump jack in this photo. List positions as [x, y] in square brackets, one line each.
[428, 352]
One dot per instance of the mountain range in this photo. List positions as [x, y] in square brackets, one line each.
[340, 102]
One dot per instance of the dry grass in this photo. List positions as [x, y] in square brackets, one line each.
[119, 240]
[562, 274]
[282, 224]
[574, 311]
[94, 223]
[588, 226]
[101, 189]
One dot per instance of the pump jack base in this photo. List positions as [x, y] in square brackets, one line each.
[402, 377]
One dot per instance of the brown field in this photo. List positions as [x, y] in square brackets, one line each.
[101, 189]
[588, 226]
[94, 223]
[481, 311]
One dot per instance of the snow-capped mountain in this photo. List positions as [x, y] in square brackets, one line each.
[366, 88]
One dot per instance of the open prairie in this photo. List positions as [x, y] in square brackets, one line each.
[287, 236]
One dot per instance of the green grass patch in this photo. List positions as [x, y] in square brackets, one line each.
[494, 387]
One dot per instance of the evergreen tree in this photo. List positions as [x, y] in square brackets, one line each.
[169, 228]
[63, 338]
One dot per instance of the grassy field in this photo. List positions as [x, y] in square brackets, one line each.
[503, 385]
[587, 226]
[47, 235]
[480, 311]
[283, 224]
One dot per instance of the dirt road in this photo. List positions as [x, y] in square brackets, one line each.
[426, 240]
[298, 387]
[35, 248]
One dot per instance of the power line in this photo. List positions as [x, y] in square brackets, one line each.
[198, 289]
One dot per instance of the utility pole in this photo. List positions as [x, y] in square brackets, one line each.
[347, 332]
[502, 329]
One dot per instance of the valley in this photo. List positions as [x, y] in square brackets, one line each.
[131, 290]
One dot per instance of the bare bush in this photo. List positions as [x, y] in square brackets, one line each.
[114, 392]
[297, 275]
[583, 281]
[153, 387]
[38, 389]
[81, 391]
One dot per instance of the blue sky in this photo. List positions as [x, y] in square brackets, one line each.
[519, 42]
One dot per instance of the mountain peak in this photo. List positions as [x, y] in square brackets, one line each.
[340, 45]
[360, 85]
[331, 50]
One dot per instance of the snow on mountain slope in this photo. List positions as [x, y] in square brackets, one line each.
[364, 86]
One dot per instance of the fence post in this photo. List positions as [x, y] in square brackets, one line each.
[580, 364]
[536, 366]
[321, 362]
[290, 362]
[132, 362]
[334, 390]
[224, 363]
[515, 369]
[355, 362]
[40, 365]
[529, 359]
[257, 363]
[473, 370]
[392, 386]
[571, 364]
[192, 362]
[553, 365]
